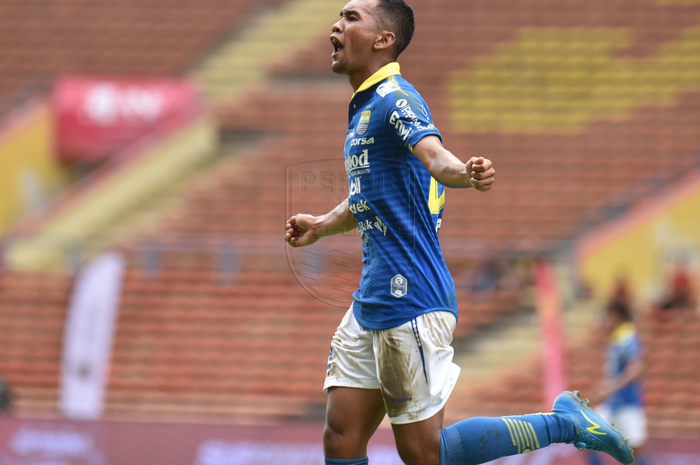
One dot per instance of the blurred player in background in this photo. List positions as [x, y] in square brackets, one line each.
[391, 353]
[622, 394]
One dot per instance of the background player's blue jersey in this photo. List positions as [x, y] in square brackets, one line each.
[624, 349]
[396, 203]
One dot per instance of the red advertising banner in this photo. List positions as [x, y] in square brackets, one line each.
[98, 117]
[65, 442]
[549, 312]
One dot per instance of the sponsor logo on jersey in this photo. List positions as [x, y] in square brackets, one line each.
[423, 109]
[350, 135]
[364, 122]
[404, 115]
[407, 112]
[364, 226]
[359, 207]
[401, 129]
[387, 88]
[368, 225]
[356, 162]
[379, 224]
[362, 141]
[355, 186]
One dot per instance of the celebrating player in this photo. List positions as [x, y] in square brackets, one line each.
[391, 353]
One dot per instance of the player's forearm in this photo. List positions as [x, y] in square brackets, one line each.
[449, 170]
[337, 221]
[629, 375]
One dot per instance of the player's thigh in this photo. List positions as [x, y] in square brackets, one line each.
[355, 406]
[352, 417]
[417, 375]
[419, 443]
[415, 368]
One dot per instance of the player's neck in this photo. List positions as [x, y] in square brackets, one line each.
[356, 79]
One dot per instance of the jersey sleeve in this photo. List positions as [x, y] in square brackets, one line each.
[407, 119]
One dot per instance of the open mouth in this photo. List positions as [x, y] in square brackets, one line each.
[337, 46]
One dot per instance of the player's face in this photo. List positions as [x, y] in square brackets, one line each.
[354, 35]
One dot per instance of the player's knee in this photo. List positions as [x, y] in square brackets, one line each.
[339, 444]
[332, 441]
[414, 454]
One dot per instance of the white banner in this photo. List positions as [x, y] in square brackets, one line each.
[88, 335]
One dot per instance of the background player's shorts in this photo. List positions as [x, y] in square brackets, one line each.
[411, 364]
[631, 420]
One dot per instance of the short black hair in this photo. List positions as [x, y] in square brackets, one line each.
[399, 16]
[620, 309]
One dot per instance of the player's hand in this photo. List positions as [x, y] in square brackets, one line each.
[300, 230]
[603, 391]
[481, 173]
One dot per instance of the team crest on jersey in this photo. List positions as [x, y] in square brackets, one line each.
[364, 122]
[399, 286]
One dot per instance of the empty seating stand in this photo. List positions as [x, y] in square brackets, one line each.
[121, 37]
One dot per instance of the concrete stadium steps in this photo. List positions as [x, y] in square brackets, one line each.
[267, 38]
[146, 218]
[83, 215]
[121, 37]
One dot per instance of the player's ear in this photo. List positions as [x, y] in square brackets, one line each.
[385, 40]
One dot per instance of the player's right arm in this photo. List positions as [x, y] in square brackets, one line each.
[302, 229]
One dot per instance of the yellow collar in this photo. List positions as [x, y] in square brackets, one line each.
[392, 69]
[623, 332]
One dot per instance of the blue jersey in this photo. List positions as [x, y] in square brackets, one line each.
[397, 205]
[624, 349]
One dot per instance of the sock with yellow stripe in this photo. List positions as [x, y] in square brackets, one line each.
[482, 439]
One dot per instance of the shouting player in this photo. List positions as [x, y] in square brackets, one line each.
[391, 353]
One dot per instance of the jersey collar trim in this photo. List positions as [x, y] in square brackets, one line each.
[623, 332]
[392, 69]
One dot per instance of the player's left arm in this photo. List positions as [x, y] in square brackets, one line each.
[449, 170]
[632, 372]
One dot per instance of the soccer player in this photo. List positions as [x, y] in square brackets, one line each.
[391, 354]
[622, 389]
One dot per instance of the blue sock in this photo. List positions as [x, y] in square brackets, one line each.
[362, 461]
[482, 439]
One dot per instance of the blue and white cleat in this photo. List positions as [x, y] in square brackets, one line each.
[592, 432]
